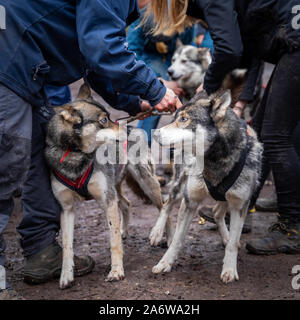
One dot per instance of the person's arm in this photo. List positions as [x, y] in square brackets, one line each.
[101, 27]
[248, 93]
[128, 103]
[221, 18]
[253, 74]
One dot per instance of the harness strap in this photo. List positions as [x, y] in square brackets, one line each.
[218, 192]
[80, 185]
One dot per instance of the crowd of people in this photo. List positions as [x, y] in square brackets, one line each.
[123, 50]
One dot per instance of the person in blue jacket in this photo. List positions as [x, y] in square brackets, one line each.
[58, 42]
[157, 53]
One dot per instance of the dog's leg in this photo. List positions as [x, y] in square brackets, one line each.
[185, 217]
[117, 269]
[125, 215]
[237, 218]
[163, 222]
[67, 227]
[220, 211]
[170, 231]
[107, 196]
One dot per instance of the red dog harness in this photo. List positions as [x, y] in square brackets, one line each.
[81, 184]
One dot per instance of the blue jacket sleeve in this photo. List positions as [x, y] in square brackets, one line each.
[101, 27]
[221, 18]
[128, 103]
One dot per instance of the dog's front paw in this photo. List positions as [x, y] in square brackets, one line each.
[156, 236]
[116, 274]
[162, 267]
[229, 275]
[66, 280]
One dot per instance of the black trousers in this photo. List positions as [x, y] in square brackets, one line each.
[275, 122]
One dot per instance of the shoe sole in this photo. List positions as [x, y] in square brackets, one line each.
[263, 209]
[262, 252]
[55, 274]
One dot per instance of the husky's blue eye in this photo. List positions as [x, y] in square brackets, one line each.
[183, 119]
[104, 121]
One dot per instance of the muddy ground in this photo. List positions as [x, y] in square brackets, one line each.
[196, 274]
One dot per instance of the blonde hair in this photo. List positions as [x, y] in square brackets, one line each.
[170, 16]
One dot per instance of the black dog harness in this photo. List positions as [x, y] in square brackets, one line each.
[218, 192]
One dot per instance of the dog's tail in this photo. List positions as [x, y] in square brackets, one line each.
[143, 181]
[135, 187]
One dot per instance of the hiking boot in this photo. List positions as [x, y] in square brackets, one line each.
[207, 214]
[281, 238]
[267, 204]
[46, 265]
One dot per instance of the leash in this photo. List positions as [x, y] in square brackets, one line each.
[146, 113]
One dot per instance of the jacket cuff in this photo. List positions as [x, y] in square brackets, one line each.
[155, 93]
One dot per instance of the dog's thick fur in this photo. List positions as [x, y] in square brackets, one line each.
[84, 126]
[189, 65]
[224, 141]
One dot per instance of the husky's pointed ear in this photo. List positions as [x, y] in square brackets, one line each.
[179, 43]
[202, 52]
[205, 57]
[84, 92]
[221, 102]
[70, 115]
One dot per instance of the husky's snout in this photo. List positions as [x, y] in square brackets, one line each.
[173, 74]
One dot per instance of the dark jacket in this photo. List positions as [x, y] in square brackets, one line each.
[61, 41]
[245, 29]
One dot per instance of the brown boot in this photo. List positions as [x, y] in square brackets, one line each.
[46, 265]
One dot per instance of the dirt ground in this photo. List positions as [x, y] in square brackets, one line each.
[196, 274]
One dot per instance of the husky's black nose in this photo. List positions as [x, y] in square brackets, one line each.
[170, 72]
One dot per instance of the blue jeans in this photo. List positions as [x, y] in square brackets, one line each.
[22, 165]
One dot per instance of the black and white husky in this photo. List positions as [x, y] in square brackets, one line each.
[226, 141]
[189, 65]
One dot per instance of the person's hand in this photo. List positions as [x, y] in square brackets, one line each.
[200, 88]
[199, 39]
[239, 108]
[145, 106]
[174, 86]
[169, 103]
